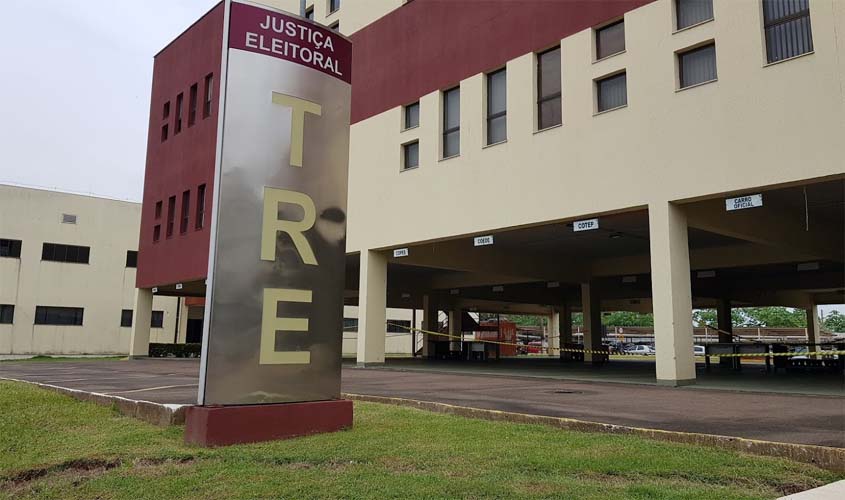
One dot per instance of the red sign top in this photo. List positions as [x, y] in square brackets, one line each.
[286, 37]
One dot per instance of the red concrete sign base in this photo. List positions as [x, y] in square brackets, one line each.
[226, 425]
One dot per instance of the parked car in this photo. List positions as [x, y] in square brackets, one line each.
[640, 350]
[699, 350]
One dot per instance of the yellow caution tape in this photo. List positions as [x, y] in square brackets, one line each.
[591, 351]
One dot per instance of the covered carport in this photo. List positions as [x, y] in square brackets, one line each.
[666, 258]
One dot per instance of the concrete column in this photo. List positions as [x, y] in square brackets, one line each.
[429, 323]
[814, 326]
[671, 294]
[565, 328]
[591, 306]
[554, 333]
[723, 320]
[183, 321]
[455, 330]
[372, 308]
[139, 341]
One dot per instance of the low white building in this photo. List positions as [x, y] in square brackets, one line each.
[67, 274]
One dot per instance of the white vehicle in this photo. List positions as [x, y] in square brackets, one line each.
[699, 350]
[641, 350]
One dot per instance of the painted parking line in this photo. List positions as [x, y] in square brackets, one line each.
[153, 389]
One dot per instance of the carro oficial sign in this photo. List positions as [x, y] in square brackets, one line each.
[743, 202]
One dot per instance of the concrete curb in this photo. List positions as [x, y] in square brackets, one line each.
[821, 456]
[154, 413]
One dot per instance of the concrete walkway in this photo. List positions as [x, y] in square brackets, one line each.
[817, 420]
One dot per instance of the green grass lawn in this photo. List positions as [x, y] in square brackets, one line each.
[52, 446]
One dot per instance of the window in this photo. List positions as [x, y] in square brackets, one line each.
[335, 26]
[787, 27]
[612, 92]
[178, 126]
[452, 122]
[309, 13]
[68, 219]
[126, 318]
[165, 113]
[209, 88]
[497, 124]
[697, 65]
[410, 155]
[610, 40]
[334, 5]
[691, 12]
[157, 319]
[7, 314]
[548, 89]
[200, 222]
[192, 106]
[186, 212]
[412, 115]
[131, 258]
[350, 324]
[164, 132]
[46, 315]
[65, 253]
[157, 232]
[10, 248]
[171, 208]
[395, 326]
[158, 210]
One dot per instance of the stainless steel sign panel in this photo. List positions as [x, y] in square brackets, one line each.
[585, 225]
[743, 202]
[274, 319]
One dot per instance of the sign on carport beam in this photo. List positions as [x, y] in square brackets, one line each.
[585, 225]
[400, 252]
[750, 201]
[481, 241]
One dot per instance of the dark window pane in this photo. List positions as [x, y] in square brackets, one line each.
[549, 113]
[200, 222]
[452, 122]
[7, 314]
[309, 13]
[396, 326]
[131, 258]
[46, 315]
[693, 12]
[497, 130]
[787, 29]
[126, 318]
[10, 248]
[186, 212]
[411, 155]
[548, 73]
[334, 5]
[209, 88]
[451, 143]
[412, 115]
[157, 319]
[350, 324]
[697, 66]
[612, 92]
[610, 40]
[497, 92]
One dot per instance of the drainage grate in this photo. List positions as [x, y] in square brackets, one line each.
[563, 391]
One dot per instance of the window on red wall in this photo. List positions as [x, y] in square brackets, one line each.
[178, 125]
[165, 113]
[200, 222]
[164, 132]
[192, 106]
[157, 232]
[158, 210]
[186, 211]
[209, 91]
[171, 208]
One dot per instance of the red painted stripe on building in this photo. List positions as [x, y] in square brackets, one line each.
[428, 45]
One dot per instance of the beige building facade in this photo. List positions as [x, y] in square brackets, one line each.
[655, 167]
[67, 275]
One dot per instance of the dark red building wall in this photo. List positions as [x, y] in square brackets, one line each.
[428, 45]
[185, 160]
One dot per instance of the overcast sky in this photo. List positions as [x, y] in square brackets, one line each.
[75, 89]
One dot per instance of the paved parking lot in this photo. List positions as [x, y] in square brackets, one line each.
[818, 420]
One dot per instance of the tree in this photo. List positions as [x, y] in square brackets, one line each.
[774, 317]
[626, 318]
[834, 322]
